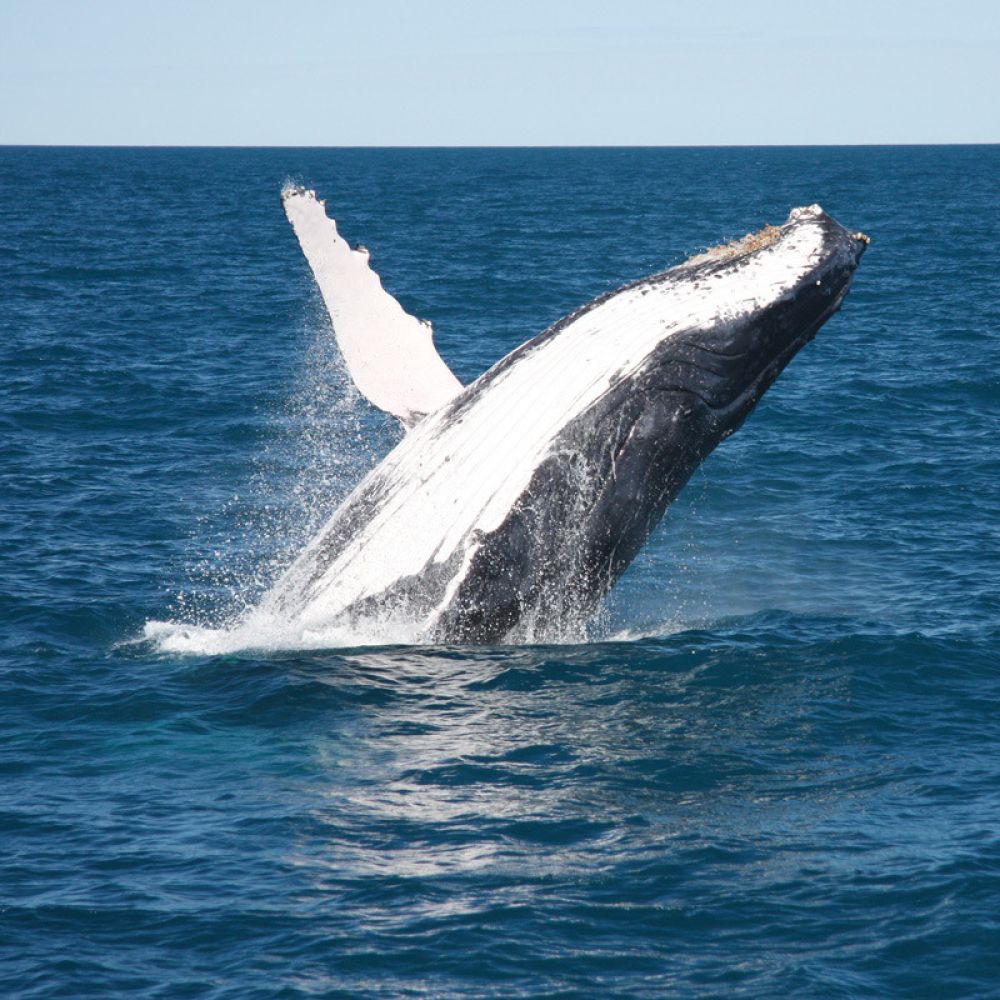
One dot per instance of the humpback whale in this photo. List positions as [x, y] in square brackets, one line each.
[513, 504]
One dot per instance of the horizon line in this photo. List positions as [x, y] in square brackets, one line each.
[444, 146]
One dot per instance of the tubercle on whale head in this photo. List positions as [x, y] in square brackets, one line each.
[769, 235]
[744, 245]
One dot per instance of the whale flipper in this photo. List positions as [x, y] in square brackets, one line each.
[389, 353]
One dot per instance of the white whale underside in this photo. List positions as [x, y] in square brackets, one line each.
[449, 482]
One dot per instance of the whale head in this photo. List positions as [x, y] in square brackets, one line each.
[768, 294]
[741, 312]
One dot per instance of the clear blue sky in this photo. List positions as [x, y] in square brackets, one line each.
[508, 72]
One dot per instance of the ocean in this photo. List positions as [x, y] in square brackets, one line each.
[772, 770]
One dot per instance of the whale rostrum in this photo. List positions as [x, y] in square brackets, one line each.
[513, 504]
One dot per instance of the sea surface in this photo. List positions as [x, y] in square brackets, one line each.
[774, 769]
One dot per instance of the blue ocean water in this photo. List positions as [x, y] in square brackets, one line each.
[775, 770]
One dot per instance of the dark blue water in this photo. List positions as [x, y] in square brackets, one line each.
[776, 770]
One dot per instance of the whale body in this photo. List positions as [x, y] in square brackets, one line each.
[513, 504]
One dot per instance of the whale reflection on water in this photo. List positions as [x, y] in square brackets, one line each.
[532, 764]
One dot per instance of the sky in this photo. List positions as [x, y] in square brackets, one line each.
[508, 72]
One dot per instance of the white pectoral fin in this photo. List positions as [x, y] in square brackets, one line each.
[389, 353]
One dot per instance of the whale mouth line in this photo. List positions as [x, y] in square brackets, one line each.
[688, 391]
[778, 362]
[734, 355]
[691, 363]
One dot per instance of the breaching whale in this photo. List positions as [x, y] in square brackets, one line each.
[513, 504]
